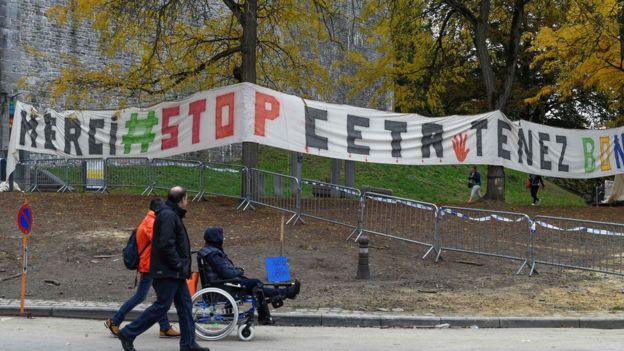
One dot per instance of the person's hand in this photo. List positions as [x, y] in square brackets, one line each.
[242, 270]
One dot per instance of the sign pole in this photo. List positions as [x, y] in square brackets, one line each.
[24, 223]
[24, 269]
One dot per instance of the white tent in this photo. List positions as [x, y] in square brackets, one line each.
[614, 190]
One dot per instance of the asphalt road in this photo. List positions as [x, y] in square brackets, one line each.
[46, 334]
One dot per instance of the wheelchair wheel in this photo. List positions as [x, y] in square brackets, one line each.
[246, 332]
[215, 313]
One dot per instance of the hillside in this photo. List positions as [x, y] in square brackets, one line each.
[437, 184]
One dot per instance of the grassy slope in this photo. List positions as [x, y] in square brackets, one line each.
[437, 184]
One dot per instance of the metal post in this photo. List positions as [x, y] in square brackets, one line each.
[359, 227]
[363, 271]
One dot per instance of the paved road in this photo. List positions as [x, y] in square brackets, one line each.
[46, 334]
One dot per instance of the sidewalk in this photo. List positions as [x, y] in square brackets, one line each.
[328, 317]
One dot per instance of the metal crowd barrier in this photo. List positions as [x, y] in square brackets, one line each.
[274, 190]
[50, 174]
[165, 173]
[330, 202]
[580, 244]
[131, 172]
[24, 175]
[84, 175]
[398, 218]
[491, 233]
[222, 179]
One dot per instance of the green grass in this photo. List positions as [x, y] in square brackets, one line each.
[437, 184]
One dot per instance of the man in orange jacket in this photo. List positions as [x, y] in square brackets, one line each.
[144, 234]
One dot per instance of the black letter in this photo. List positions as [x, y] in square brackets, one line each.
[528, 147]
[396, 128]
[543, 151]
[113, 139]
[478, 125]
[48, 132]
[28, 124]
[353, 134]
[502, 140]
[313, 140]
[95, 148]
[432, 136]
[563, 140]
[72, 133]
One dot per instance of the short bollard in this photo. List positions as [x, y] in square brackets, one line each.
[363, 271]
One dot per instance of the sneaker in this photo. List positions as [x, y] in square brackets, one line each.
[169, 333]
[293, 290]
[126, 343]
[266, 321]
[112, 326]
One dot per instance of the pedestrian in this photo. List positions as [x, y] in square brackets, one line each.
[170, 267]
[144, 236]
[474, 183]
[535, 181]
[220, 267]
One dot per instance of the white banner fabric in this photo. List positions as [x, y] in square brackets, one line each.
[247, 112]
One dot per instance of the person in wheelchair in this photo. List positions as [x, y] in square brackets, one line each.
[220, 267]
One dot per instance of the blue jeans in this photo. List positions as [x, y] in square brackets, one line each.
[138, 297]
[167, 290]
[250, 283]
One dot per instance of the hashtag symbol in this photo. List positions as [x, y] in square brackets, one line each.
[133, 137]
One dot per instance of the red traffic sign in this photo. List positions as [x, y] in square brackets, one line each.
[24, 219]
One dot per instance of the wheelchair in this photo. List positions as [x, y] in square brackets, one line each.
[221, 306]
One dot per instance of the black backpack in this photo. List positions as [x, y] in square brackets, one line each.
[131, 252]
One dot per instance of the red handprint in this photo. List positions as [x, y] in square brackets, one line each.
[459, 146]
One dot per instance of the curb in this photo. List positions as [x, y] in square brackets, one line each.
[350, 320]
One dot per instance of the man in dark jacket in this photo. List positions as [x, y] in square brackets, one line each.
[219, 267]
[170, 267]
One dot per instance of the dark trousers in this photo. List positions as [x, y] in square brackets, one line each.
[534, 189]
[139, 296]
[167, 290]
[257, 288]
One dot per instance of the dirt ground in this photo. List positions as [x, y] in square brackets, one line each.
[76, 244]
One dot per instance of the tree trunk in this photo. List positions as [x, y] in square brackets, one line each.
[248, 68]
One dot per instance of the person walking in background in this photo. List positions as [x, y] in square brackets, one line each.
[170, 267]
[535, 181]
[474, 183]
[144, 235]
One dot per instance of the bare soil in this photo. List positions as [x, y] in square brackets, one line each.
[76, 244]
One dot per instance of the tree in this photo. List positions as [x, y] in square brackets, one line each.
[436, 49]
[585, 52]
[166, 48]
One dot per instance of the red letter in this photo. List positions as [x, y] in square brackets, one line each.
[195, 109]
[168, 129]
[222, 131]
[262, 114]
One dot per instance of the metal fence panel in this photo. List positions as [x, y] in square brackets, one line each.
[128, 172]
[575, 243]
[85, 174]
[273, 190]
[330, 202]
[50, 175]
[223, 179]
[166, 173]
[485, 232]
[399, 218]
[24, 175]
